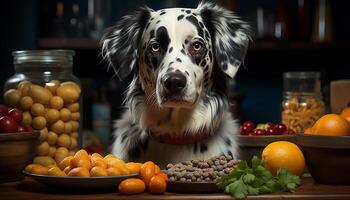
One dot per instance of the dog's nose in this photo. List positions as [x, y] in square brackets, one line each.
[175, 82]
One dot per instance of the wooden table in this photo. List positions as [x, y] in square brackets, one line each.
[31, 190]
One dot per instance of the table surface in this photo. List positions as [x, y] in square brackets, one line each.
[30, 189]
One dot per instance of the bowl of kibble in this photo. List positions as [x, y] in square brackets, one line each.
[254, 138]
[198, 176]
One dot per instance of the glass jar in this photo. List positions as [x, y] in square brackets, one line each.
[49, 95]
[302, 103]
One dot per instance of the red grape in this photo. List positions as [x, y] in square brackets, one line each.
[15, 114]
[270, 124]
[8, 125]
[22, 128]
[3, 110]
[281, 128]
[249, 124]
[28, 128]
[245, 130]
[271, 131]
[259, 132]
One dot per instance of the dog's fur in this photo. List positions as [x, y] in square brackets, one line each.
[206, 45]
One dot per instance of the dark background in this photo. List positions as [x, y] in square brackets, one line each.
[258, 85]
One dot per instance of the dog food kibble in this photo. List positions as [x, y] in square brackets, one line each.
[200, 170]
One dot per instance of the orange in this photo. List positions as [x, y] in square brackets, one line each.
[79, 171]
[157, 185]
[283, 154]
[65, 162]
[96, 155]
[147, 171]
[39, 169]
[308, 131]
[164, 175]
[114, 162]
[156, 169]
[55, 171]
[98, 162]
[134, 168]
[67, 169]
[112, 171]
[131, 186]
[29, 168]
[81, 154]
[331, 125]
[346, 114]
[98, 171]
[80, 162]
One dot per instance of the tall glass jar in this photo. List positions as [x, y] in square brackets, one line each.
[302, 103]
[49, 95]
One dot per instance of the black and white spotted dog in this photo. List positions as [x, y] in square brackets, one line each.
[176, 104]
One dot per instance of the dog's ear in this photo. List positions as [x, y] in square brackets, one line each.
[120, 43]
[229, 34]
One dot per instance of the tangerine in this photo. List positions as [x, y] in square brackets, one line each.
[283, 154]
[331, 125]
[345, 113]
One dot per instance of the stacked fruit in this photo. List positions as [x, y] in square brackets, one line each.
[53, 110]
[81, 164]
[332, 124]
[11, 121]
[249, 128]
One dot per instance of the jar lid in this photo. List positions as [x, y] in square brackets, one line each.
[43, 56]
[302, 75]
[302, 82]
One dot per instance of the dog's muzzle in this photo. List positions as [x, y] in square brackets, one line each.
[174, 84]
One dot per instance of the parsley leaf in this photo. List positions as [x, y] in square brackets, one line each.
[244, 180]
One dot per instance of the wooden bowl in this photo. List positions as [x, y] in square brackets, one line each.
[327, 158]
[249, 146]
[16, 151]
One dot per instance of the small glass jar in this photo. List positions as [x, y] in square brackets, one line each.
[49, 95]
[302, 103]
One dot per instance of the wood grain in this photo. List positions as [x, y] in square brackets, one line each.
[29, 189]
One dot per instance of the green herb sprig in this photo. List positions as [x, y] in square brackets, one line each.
[244, 180]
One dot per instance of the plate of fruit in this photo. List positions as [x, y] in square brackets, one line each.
[82, 171]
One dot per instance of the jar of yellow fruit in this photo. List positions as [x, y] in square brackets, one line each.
[49, 95]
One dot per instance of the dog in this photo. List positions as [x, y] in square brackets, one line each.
[181, 60]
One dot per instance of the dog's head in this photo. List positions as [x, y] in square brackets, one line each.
[174, 51]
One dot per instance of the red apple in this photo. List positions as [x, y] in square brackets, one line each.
[15, 114]
[8, 125]
[3, 110]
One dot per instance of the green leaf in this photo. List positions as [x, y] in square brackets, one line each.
[286, 180]
[237, 189]
[256, 162]
[252, 190]
[242, 165]
[248, 178]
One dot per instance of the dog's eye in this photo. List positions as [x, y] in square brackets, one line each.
[155, 48]
[197, 46]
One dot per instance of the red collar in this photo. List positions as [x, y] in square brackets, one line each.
[185, 138]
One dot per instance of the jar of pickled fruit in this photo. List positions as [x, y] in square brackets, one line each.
[302, 103]
[49, 95]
